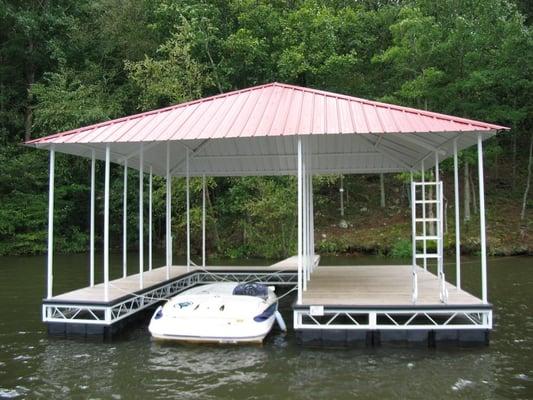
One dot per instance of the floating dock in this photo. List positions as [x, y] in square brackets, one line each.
[343, 305]
[373, 304]
[270, 130]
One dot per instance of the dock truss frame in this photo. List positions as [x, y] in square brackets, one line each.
[108, 313]
[393, 318]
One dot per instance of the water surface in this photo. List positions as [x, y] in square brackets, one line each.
[33, 365]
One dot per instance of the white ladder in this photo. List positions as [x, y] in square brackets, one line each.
[420, 197]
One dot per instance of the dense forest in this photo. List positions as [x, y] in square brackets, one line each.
[69, 63]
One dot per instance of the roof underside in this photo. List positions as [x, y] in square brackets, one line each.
[255, 132]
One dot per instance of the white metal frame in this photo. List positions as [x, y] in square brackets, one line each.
[106, 220]
[141, 217]
[437, 202]
[125, 222]
[102, 314]
[168, 219]
[91, 234]
[50, 255]
[392, 319]
[72, 312]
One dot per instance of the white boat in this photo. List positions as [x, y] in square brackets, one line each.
[226, 312]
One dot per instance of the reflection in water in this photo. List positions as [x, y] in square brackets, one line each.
[34, 365]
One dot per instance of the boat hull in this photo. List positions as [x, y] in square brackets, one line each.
[211, 314]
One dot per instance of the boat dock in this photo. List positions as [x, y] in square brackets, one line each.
[342, 305]
[88, 311]
[271, 130]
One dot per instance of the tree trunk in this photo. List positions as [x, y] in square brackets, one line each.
[216, 237]
[30, 80]
[474, 195]
[466, 191]
[523, 221]
[382, 189]
[431, 212]
[513, 181]
[341, 190]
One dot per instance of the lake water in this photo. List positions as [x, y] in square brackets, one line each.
[33, 365]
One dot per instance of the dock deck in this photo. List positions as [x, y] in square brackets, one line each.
[372, 285]
[348, 299]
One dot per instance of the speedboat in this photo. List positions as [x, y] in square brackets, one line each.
[225, 312]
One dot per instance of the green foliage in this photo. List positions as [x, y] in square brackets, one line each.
[402, 248]
[172, 78]
[65, 64]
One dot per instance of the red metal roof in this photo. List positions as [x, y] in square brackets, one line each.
[274, 109]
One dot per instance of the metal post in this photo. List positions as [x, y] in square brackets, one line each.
[424, 224]
[150, 220]
[168, 216]
[483, 238]
[413, 221]
[141, 218]
[312, 223]
[106, 222]
[300, 199]
[307, 230]
[304, 216]
[188, 213]
[457, 220]
[50, 266]
[91, 234]
[438, 215]
[203, 221]
[125, 223]
[413, 238]
[309, 216]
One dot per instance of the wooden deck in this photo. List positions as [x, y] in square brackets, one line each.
[378, 285]
[375, 285]
[121, 287]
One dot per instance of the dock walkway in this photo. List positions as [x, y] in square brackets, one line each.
[346, 303]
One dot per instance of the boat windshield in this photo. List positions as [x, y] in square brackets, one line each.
[251, 289]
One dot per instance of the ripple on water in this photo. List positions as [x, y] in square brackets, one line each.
[461, 384]
[19, 391]
[523, 377]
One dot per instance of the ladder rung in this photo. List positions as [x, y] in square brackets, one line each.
[427, 219]
[428, 255]
[426, 201]
[427, 238]
[428, 183]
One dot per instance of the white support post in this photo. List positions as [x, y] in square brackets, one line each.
[304, 216]
[424, 224]
[414, 294]
[168, 216]
[437, 167]
[483, 238]
[150, 220]
[312, 223]
[125, 223]
[457, 219]
[309, 216]
[413, 221]
[307, 228]
[438, 215]
[141, 217]
[188, 212]
[300, 222]
[106, 222]
[91, 234]
[203, 221]
[50, 266]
